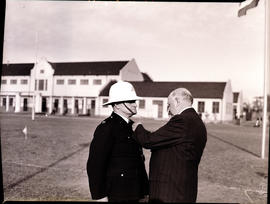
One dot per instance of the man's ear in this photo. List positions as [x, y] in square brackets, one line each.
[177, 100]
[116, 106]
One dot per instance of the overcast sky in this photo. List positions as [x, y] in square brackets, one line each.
[171, 41]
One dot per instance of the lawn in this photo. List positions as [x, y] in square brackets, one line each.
[49, 164]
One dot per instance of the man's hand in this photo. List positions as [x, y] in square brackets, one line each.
[145, 199]
[105, 199]
[135, 124]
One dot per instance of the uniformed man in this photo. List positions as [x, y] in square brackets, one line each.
[115, 167]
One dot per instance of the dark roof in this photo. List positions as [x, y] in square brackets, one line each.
[235, 97]
[105, 90]
[68, 68]
[16, 69]
[88, 68]
[163, 89]
[146, 77]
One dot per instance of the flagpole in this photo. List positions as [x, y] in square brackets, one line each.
[35, 85]
[266, 67]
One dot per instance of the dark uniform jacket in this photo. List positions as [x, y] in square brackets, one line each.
[115, 165]
[176, 148]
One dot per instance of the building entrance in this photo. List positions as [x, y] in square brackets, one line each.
[55, 106]
[76, 106]
[44, 105]
[65, 107]
[25, 104]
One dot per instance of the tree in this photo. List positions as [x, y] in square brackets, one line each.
[257, 105]
[247, 111]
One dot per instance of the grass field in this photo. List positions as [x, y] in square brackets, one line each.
[49, 164]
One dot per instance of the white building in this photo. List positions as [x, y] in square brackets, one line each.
[212, 100]
[60, 88]
[82, 87]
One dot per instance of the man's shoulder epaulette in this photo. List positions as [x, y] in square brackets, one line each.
[107, 121]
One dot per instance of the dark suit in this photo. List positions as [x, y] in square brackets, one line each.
[177, 148]
[115, 165]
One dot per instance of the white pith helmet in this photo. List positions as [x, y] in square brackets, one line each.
[120, 92]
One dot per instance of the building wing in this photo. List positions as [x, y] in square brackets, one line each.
[68, 68]
[163, 89]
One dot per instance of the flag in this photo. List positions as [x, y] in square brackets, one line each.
[246, 5]
[25, 132]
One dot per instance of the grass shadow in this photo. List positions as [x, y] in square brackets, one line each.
[236, 146]
[83, 146]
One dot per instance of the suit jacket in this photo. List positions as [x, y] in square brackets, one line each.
[115, 166]
[177, 148]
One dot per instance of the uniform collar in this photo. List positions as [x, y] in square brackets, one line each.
[124, 118]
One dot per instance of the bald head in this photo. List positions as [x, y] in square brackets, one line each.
[179, 99]
[182, 94]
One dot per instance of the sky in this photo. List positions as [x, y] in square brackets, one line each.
[170, 41]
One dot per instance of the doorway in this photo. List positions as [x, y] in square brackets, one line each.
[159, 104]
[44, 105]
[25, 104]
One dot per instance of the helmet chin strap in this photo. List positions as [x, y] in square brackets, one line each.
[129, 109]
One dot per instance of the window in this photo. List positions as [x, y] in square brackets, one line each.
[46, 84]
[159, 103]
[42, 71]
[72, 81]
[13, 81]
[200, 106]
[41, 85]
[36, 84]
[97, 81]
[105, 100]
[84, 82]
[24, 81]
[4, 81]
[60, 81]
[141, 104]
[215, 107]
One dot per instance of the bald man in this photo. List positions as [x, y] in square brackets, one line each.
[176, 149]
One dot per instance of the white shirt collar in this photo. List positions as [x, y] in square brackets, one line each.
[125, 119]
[184, 109]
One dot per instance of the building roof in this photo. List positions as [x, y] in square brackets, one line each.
[146, 77]
[68, 68]
[163, 89]
[17, 69]
[88, 68]
[235, 97]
